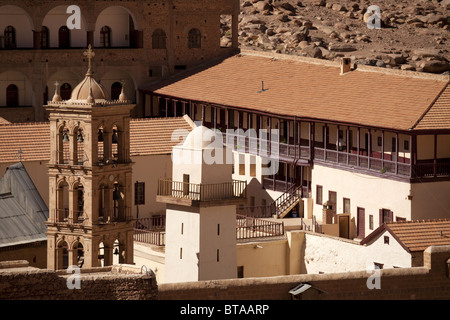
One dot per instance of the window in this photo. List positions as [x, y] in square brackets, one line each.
[218, 229]
[65, 91]
[10, 37]
[218, 255]
[240, 272]
[380, 141]
[181, 253]
[194, 39]
[105, 37]
[12, 96]
[371, 222]
[346, 205]
[386, 240]
[139, 193]
[45, 38]
[319, 191]
[406, 145]
[182, 228]
[116, 90]
[386, 216]
[159, 39]
[64, 37]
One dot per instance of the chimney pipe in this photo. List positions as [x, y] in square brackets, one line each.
[346, 65]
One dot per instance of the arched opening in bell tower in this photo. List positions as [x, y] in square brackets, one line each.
[79, 214]
[79, 156]
[62, 211]
[62, 255]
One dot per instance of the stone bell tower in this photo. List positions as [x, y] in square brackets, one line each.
[90, 222]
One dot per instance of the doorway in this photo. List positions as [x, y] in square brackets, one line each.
[361, 218]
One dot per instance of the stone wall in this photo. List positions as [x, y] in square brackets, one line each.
[109, 283]
[429, 282]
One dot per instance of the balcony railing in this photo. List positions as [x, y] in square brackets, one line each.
[250, 228]
[374, 163]
[157, 238]
[202, 192]
[63, 217]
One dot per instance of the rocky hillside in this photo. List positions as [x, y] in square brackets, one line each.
[414, 34]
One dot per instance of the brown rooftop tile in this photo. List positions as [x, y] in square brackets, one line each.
[418, 235]
[313, 89]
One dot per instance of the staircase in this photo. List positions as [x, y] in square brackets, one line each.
[286, 202]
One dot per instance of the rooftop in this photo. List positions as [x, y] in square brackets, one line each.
[315, 89]
[31, 141]
[416, 235]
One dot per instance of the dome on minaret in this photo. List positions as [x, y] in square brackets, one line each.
[89, 90]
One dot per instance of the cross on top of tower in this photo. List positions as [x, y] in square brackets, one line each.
[90, 55]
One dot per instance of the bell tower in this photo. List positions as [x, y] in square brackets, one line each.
[90, 222]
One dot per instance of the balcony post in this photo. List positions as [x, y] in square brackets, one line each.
[435, 157]
[358, 146]
[382, 149]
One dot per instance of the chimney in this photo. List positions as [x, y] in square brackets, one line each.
[346, 65]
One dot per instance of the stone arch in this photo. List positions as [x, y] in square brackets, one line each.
[78, 248]
[62, 253]
[61, 77]
[122, 23]
[55, 18]
[23, 84]
[20, 19]
[119, 75]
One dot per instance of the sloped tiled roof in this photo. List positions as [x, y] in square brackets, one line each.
[147, 137]
[420, 234]
[438, 116]
[415, 235]
[154, 136]
[312, 89]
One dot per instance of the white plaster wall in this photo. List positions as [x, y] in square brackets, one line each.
[186, 268]
[371, 193]
[332, 255]
[14, 16]
[149, 169]
[390, 255]
[117, 19]
[211, 240]
[326, 254]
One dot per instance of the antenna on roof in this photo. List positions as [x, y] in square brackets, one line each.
[262, 87]
[20, 152]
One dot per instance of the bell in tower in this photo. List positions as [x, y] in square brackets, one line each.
[90, 174]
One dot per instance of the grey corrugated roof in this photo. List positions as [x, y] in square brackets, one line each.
[23, 212]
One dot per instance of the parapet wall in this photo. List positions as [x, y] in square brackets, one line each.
[108, 283]
[429, 282]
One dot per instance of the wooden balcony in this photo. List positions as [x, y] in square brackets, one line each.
[191, 194]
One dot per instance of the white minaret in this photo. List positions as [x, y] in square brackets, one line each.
[201, 210]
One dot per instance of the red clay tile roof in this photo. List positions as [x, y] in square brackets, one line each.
[147, 137]
[418, 235]
[415, 235]
[154, 136]
[313, 89]
[438, 116]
